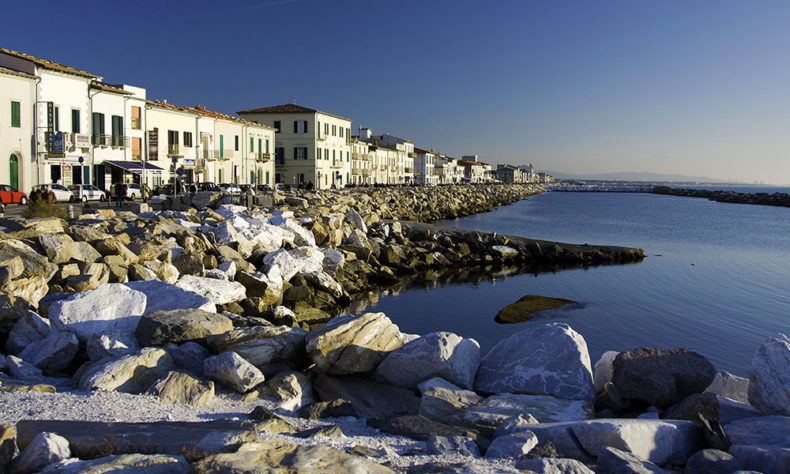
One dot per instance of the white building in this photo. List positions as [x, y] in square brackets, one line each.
[400, 169]
[312, 146]
[17, 92]
[448, 170]
[362, 168]
[425, 167]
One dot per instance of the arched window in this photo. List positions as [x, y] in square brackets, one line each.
[13, 171]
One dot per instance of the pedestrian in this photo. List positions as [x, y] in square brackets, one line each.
[120, 193]
[144, 192]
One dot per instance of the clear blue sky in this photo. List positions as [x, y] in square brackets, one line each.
[689, 87]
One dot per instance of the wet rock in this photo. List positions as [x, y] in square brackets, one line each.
[353, 344]
[661, 377]
[179, 326]
[181, 388]
[523, 309]
[131, 373]
[232, 370]
[769, 377]
[549, 359]
[439, 354]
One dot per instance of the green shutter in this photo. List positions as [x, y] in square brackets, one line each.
[16, 114]
[267, 146]
[267, 177]
[221, 148]
[251, 143]
[75, 121]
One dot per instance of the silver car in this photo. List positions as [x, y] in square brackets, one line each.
[60, 191]
[88, 192]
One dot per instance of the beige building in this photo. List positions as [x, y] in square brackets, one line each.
[313, 147]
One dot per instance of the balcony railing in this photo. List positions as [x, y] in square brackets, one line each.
[101, 140]
[224, 154]
[208, 154]
[137, 123]
[408, 170]
[336, 165]
[119, 141]
[263, 157]
[81, 140]
[174, 149]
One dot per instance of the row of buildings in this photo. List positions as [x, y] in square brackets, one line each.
[59, 123]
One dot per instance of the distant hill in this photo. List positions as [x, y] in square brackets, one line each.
[636, 176]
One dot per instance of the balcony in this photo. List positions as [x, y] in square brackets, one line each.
[137, 156]
[224, 154]
[102, 141]
[264, 157]
[81, 140]
[208, 154]
[137, 123]
[336, 165]
[408, 170]
[175, 149]
[119, 141]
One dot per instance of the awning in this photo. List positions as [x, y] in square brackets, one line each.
[135, 167]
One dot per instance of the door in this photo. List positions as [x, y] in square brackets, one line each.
[13, 168]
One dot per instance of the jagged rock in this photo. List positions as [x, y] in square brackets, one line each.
[331, 431]
[515, 423]
[12, 309]
[369, 399]
[602, 372]
[164, 271]
[432, 382]
[131, 373]
[138, 463]
[10, 267]
[656, 441]
[111, 344]
[291, 262]
[35, 265]
[7, 445]
[52, 353]
[189, 357]
[730, 386]
[550, 359]
[513, 445]
[661, 377]
[31, 289]
[22, 370]
[179, 326]
[328, 409]
[82, 282]
[113, 246]
[111, 307]
[446, 405]
[712, 407]
[138, 272]
[453, 445]
[43, 450]
[270, 348]
[219, 292]
[553, 466]
[162, 296]
[762, 431]
[761, 459]
[356, 220]
[181, 388]
[769, 377]
[353, 344]
[421, 428]
[711, 461]
[292, 390]
[301, 236]
[614, 461]
[28, 329]
[58, 248]
[439, 354]
[230, 369]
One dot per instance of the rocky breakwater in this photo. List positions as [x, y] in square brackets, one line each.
[765, 199]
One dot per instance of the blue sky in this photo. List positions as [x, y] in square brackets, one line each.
[689, 87]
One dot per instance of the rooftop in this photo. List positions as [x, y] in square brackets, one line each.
[17, 73]
[200, 110]
[288, 109]
[46, 63]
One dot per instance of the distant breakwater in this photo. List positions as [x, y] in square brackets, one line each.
[765, 199]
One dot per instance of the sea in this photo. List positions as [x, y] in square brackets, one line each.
[716, 276]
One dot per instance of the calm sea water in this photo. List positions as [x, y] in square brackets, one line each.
[716, 277]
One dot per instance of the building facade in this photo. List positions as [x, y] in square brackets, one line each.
[17, 99]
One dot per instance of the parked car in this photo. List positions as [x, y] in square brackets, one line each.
[132, 191]
[88, 192]
[264, 188]
[60, 191]
[282, 186]
[229, 188]
[10, 195]
[208, 186]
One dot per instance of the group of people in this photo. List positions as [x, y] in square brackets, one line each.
[41, 195]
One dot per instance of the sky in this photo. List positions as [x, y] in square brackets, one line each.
[698, 88]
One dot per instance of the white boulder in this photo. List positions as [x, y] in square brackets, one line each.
[161, 296]
[217, 291]
[232, 370]
[769, 377]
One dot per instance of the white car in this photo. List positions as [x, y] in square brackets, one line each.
[229, 188]
[60, 191]
[88, 192]
[133, 191]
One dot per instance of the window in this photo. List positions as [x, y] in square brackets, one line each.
[57, 119]
[188, 139]
[137, 148]
[251, 143]
[98, 129]
[326, 153]
[300, 126]
[267, 147]
[279, 156]
[318, 156]
[326, 129]
[236, 143]
[221, 147]
[341, 132]
[16, 117]
[75, 120]
[348, 157]
[172, 137]
[334, 130]
[117, 126]
[136, 118]
[300, 153]
[318, 129]
[277, 126]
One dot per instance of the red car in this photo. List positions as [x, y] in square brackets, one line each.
[9, 195]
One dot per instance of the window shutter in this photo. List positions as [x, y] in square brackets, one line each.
[305, 126]
[296, 126]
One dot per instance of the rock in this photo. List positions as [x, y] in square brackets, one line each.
[270, 348]
[111, 344]
[550, 359]
[353, 344]
[131, 373]
[54, 353]
[439, 354]
[28, 329]
[421, 428]
[179, 326]
[602, 372]
[22, 370]
[137, 463]
[331, 431]
[518, 422]
[445, 405]
[181, 388]
[656, 441]
[356, 220]
[82, 282]
[189, 357]
[31, 289]
[452, 445]
[7, 445]
[84, 252]
[436, 382]
[291, 262]
[760, 459]
[232, 370]
[111, 307]
[35, 265]
[10, 267]
[714, 408]
[163, 296]
[661, 377]
[513, 445]
[523, 309]
[730, 386]
[761, 431]
[218, 291]
[711, 461]
[769, 377]
[58, 248]
[292, 390]
[614, 461]
[553, 466]
[12, 309]
[369, 399]
[44, 449]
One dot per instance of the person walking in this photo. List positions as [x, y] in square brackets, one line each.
[144, 192]
[120, 193]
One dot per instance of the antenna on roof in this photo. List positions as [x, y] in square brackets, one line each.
[293, 99]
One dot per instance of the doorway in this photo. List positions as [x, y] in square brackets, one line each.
[13, 171]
